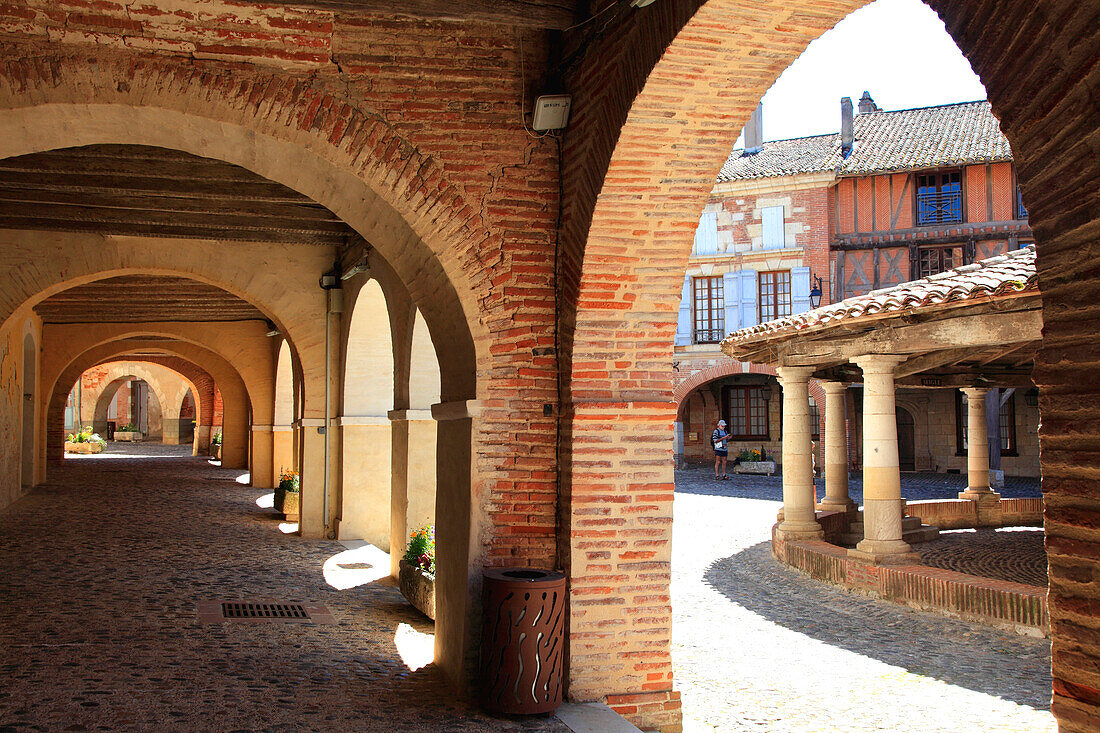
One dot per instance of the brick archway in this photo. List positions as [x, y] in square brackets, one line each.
[725, 369]
[678, 84]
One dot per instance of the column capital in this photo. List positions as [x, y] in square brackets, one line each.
[975, 393]
[794, 374]
[878, 363]
[834, 387]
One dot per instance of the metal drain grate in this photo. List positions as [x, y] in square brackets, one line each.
[286, 611]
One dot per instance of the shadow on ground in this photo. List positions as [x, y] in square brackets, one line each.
[1015, 668]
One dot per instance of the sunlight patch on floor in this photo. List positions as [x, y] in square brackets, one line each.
[357, 566]
[267, 501]
[244, 478]
[288, 527]
[416, 649]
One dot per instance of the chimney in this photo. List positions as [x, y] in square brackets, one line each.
[847, 134]
[754, 131]
[866, 104]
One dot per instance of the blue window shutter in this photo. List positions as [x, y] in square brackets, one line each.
[772, 220]
[683, 320]
[706, 235]
[800, 289]
[731, 285]
[749, 315]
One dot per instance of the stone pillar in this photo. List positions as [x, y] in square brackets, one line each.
[413, 476]
[282, 450]
[312, 475]
[262, 441]
[365, 479]
[799, 520]
[977, 446]
[836, 450]
[882, 513]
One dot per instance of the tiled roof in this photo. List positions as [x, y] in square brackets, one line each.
[908, 139]
[1007, 274]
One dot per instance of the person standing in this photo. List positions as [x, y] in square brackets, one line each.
[719, 439]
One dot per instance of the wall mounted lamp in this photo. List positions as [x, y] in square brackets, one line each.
[815, 293]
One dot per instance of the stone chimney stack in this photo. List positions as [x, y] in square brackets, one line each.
[847, 132]
[754, 131]
[866, 104]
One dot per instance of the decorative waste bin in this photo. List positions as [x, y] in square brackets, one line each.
[522, 640]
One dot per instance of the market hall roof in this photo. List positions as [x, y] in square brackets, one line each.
[885, 142]
[989, 311]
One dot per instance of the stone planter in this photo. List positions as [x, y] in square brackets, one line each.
[418, 588]
[766, 468]
[287, 503]
[216, 451]
[83, 447]
[127, 436]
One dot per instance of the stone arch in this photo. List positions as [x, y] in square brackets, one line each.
[170, 387]
[424, 391]
[107, 394]
[29, 392]
[727, 368]
[282, 449]
[366, 441]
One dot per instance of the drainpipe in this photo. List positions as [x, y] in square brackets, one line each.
[330, 282]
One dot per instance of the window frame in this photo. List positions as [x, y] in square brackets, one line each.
[750, 391]
[940, 248]
[940, 197]
[774, 294]
[1008, 409]
[716, 313]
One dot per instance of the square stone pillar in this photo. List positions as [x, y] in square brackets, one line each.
[282, 450]
[262, 474]
[365, 480]
[882, 512]
[836, 450]
[799, 520]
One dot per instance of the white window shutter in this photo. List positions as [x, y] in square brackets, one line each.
[749, 315]
[772, 217]
[731, 287]
[800, 289]
[706, 235]
[683, 320]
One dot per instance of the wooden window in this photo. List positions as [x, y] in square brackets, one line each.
[815, 420]
[708, 311]
[772, 220]
[933, 260]
[746, 413]
[1007, 417]
[939, 198]
[775, 294]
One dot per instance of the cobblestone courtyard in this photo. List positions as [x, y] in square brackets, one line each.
[100, 574]
[758, 647]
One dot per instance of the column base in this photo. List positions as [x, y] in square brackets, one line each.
[885, 552]
[980, 495]
[799, 531]
[828, 504]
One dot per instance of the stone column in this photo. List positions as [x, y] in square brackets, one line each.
[312, 522]
[836, 450]
[799, 520]
[282, 450]
[365, 480]
[882, 513]
[413, 472]
[262, 450]
[977, 448]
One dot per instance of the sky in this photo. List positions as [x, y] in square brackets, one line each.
[898, 50]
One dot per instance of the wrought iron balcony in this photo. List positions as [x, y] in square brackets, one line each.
[939, 207]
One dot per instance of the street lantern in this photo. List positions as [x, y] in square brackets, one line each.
[815, 294]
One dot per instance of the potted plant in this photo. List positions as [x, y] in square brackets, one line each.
[287, 495]
[754, 461]
[85, 441]
[416, 576]
[216, 445]
[128, 433]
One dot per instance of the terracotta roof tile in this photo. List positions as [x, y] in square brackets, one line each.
[908, 139]
[1007, 274]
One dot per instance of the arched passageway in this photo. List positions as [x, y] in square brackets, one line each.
[30, 396]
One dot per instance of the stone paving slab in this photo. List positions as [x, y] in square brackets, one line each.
[760, 647]
[101, 574]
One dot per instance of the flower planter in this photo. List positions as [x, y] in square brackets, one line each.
[216, 451]
[287, 503]
[83, 447]
[766, 468]
[128, 436]
[418, 588]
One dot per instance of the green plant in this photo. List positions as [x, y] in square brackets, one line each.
[288, 480]
[217, 439]
[753, 455]
[127, 429]
[85, 435]
[420, 552]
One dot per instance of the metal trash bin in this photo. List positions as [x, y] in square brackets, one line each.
[522, 640]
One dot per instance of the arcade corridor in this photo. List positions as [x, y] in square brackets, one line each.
[101, 571]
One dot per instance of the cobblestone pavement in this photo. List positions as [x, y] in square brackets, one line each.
[100, 574]
[1016, 554]
[759, 647]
